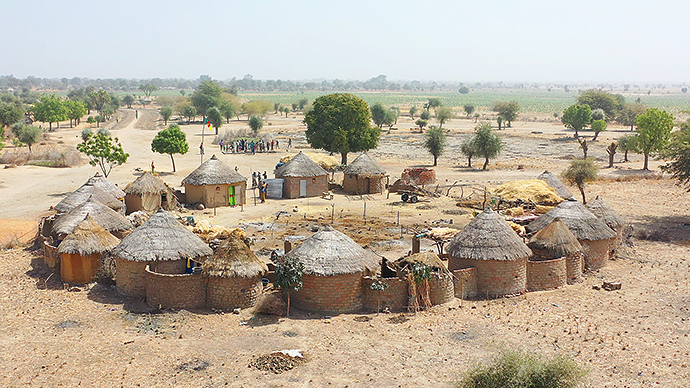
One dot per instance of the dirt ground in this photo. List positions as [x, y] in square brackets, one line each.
[635, 337]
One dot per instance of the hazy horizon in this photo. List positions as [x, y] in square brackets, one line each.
[534, 41]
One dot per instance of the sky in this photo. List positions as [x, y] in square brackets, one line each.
[443, 40]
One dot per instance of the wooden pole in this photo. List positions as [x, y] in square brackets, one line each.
[332, 212]
[365, 213]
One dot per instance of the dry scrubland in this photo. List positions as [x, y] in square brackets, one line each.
[635, 337]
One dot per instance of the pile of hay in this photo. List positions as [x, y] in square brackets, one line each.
[534, 190]
[325, 161]
[208, 232]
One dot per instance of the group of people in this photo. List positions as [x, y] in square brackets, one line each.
[259, 181]
[248, 146]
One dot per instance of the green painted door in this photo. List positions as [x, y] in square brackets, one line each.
[231, 196]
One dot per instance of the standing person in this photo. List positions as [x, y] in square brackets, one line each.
[254, 179]
[265, 175]
[153, 167]
[201, 149]
[221, 146]
[289, 144]
[136, 114]
[262, 192]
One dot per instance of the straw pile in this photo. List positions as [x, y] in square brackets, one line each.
[233, 258]
[209, 232]
[441, 233]
[324, 161]
[534, 190]
[428, 258]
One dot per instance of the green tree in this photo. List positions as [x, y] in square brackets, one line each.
[435, 142]
[413, 111]
[499, 121]
[469, 149]
[507, 110]
[378, 114]
[577, 117]
[598, 114]
[653, 132]
[215, 118]
[487, 143]
[148, 89]
[444, 114]
[341, 123]
[104, 152]
[170, 141]
[228, 110]
[166, 113]
[678, 151]
[107, 112]
[469, 109]
[128, 100]
[10, 113]
[600, 99]
[579, 173]
[86, 133]
[302, 103]
[464, 90]
[255, 122]
[99, 99]
[50, 109]
[425, 115]
[421, 123]
[27, 134]
[432, 103]
[629, 113]
[289, 272]
[598, 126]
[626, 144]
[75, 111]
[276, 106]
[286, 110]
[189, 112]
[207, 95]
[257, 107]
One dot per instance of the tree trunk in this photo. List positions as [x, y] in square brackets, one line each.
[625, 157]
[173, 162]
[486, 163]
[596, 134]
[343, 158]
[582, 192]
[469, 162]
[435, 160]
[288, 304]
[50, 127]
[646, 162]
[611, 159]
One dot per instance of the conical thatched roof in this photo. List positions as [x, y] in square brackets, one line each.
[104, 184]
[213, 172]
[555, 241]
[605, 212]
[233, 258]
[364, 165]
[161, 238]
[104, 216]
[88, 238]
[329, 252]
[300, 166]
[556, 183]
[147, 184]
[488, 237]
[580, 221]
[86, 191]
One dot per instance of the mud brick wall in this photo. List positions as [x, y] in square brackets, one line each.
[329, 294]
[419, 176]
[169, 266]
[596, 253]
[353, 184]
[394, 297]
[441, 288]
[130, 277]
[315, 186]
[232, 293]
[182, 291]
[465, 283]
[546, 275]
[574, 266]
[51, 257]
[495, 277]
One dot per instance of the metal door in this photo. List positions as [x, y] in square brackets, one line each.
[303, 188]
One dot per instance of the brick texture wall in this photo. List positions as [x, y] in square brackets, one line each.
[465, 283]
[130, 277]
[494, 277]
[441, 288]
[169, 266]
[596, 253]
[51, 257]
[315, 186]
[355, 185]
[329, 294]
[394, 297]
[181, 291]
[546, 275]
[232, 293]
[574, 265]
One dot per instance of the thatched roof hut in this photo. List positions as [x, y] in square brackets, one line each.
[605, 212]
[330, 252]
[581, 222]
[213, 172]
[488, 237]
[556, 183]
[83, 193]
[554, 241]
[364, 165]
[300, 166]
[149, 193]
[104, 216]
[233, 259]
[162, 238]
[104, 184]
[147, 183]
[88, 238]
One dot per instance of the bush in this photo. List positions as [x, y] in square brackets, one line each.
[515, 369]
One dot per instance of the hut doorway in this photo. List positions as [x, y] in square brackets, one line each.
[303, 188]
[231, 196]
[366, 185]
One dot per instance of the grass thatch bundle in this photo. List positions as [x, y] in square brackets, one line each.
[302, 165]
[534, 190]
[555, 241]
[581, 222]
[88, 238]
[488, 237]
[605, 212]
[364, 165]
[162, 238]
[553, 181]
[233, 258]
[104, 216]
[147, 183]
[428, 258]
[213, 172]
[329, 252]
[104, 184]
[82, 194]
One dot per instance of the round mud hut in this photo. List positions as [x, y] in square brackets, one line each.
[149, 193]
[552, 180]
[233, 275]
[552, 243]
[302, 177]
[364, 176]
[595, 237]
[489, 244]
[613, 220]
[82, 250]
[441, 288]
[162, 244]
[86, 191]
[333, 268]
[109, 219]
[214, 184]
[104, 184]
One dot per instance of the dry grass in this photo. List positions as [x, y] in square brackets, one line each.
[51, 155]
